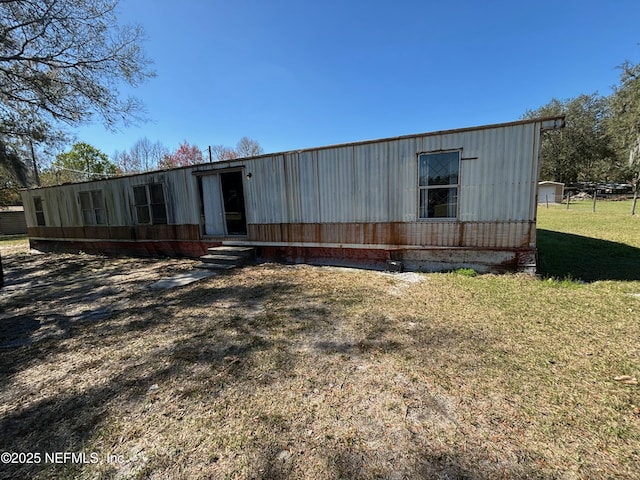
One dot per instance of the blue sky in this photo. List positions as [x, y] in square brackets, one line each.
[298, 74]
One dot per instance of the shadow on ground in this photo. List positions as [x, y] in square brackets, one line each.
[241, 331]
[564, 255]
[357, 463]
[68, 419]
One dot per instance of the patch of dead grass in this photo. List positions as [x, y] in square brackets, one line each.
[279, 371]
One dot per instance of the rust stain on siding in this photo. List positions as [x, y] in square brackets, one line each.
[138, 232]
[440, 234]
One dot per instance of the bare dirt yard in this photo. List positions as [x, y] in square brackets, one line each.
[279, 371]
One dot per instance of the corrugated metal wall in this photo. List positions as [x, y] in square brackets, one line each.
[332, 194]
[377, 182]
[62, 207]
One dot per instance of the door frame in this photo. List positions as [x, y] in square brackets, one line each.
[237, 226]
[218, 201]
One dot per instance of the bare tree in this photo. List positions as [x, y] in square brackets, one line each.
[64, 61]
[141, 157]
[221, 153]
[67, 58]
[156, 153]
[141, 154]
[124, 161]
[247, 147]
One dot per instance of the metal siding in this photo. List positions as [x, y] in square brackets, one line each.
[29, 209]
[70, 211]
[59, 207]
[293, 197]
[336, 185]
[371, 183]
[122, 211]
[377, 182]
[62, 208]
[174, 190]
[496, 186]
[536, 145]
[358, 193]
[309, 188]
[189, 207]
[180, 194]
[495, 165]
[402, 180]
[29, 214]
[250, 195]
[266, 192]
[407, 206]
[419, 234]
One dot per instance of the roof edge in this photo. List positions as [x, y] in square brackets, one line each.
[547, 123]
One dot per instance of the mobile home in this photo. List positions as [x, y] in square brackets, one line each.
[432, 201]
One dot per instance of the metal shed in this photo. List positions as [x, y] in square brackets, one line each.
[550, 192]
[440, 200]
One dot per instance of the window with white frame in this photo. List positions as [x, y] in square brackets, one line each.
[438, 175]
[150, 204]
[93, 207]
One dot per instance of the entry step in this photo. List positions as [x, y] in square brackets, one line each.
[221, 258]
[215, 266]
[226, 257]
[232, 250]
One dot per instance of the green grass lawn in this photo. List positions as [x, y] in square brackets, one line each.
[7, 241]
[581, 244]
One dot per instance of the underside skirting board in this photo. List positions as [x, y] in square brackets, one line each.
[144, 248]
[423, 259]
[419, 246]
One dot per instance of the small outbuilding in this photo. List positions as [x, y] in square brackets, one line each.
[12, 221]
[550, 192]
[461, 198]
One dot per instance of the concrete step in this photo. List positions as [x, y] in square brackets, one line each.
[246, 252]
[221, 258]
[215, 266]
[226, 257]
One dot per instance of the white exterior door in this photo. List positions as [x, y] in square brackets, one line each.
[214, 220]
